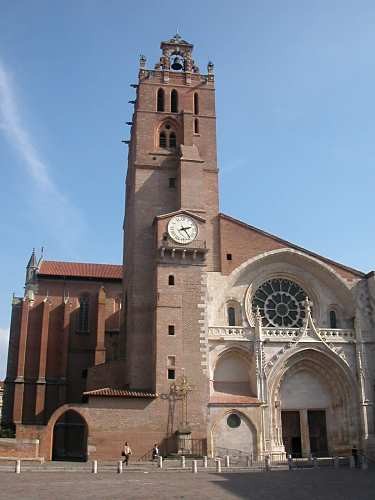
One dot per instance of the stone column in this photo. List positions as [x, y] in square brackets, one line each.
[100, 328]
[19, 382]
[305, 435]
[41, 382]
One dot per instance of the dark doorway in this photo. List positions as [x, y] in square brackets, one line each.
[318, 432]
[70, 438]
[291, 433]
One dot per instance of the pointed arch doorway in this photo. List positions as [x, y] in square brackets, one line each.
[70, 437]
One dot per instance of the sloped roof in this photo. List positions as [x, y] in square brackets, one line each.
[80, 270]
[119, 393]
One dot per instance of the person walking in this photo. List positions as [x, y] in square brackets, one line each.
[126, 453]
[355, 456]
[155, 452]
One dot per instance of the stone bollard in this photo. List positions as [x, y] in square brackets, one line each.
[364, 464]
[315, 463]
[119, 467]
[290, 462]
[95, 467]
[226, 461]
[194, 467]
[336, 462]
[218, 465]
[249, 461]
[205, 462]
[160, 462]
[351, 462]
[18, 467]
[267, 464]
[182, 462]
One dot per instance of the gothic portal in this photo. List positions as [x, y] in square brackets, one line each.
[212, 337]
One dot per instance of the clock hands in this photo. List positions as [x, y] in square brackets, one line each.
[185, 229]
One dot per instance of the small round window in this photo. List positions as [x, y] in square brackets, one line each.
[233, 420]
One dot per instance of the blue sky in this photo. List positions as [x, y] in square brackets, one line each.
[296, 119]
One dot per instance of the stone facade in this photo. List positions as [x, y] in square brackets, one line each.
[236, 342]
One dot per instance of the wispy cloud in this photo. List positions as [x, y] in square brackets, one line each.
[50, 198]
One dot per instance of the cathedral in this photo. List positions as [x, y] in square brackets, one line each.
[212, 338]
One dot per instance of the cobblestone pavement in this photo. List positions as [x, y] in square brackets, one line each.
[344, 484]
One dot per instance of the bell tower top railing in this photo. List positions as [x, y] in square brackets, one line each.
[176, 58]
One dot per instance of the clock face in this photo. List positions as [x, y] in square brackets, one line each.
[182, 229]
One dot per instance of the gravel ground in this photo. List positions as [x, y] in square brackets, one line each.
[344, 484]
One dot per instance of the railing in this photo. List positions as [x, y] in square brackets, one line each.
[278, 334]
[197, 244]
[337, 334]
[281, 333]
[230, 332]
[327, 334]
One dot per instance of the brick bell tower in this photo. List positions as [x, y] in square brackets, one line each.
[171, 226]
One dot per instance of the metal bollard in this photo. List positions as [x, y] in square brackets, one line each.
[182, 462]
[267, 463]
[119, 466]
[351, 462]
[364, 464]
[218, 465]
[18, 467]
[226, 460]
[95, 467]
[194, 467]
[315, 463]
[290, 462]
[205, 462]
[160, 462]
[336, 462]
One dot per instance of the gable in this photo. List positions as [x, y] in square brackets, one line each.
[244, 242]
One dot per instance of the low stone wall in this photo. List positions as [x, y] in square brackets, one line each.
[19, 448]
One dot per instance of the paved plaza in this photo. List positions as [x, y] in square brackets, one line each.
[330, 484]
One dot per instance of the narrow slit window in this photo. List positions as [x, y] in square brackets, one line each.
[196, 104]
[163, 140]
[171, 280]
[229, 256]
[174, 101]
[83, 318]
[332, 319]
[172, 140]
[160, 100]
[231, 316]
[196, 126]
[171, 330]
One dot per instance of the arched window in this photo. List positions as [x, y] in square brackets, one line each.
[174, 101]
[167, 136]
[196, 104]
[163, 140]
[233, 312]
[231, 316]
[83, 317]
[171, 279]
[160, 100]
[172, 140]
[332, 319]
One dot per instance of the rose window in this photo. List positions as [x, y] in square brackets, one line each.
[281, 303]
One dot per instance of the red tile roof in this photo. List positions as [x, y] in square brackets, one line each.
[80, 270]
[119, 393]
[222, 398]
